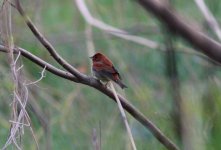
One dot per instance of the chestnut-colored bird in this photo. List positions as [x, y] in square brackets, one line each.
[104, 70]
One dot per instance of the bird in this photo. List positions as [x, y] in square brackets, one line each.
[104, 70]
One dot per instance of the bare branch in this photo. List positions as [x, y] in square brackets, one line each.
[42, 63]
[209, 18]
[42, 76]
[124, 117]
[175, 23]
[47, 44]
[112, 30]
[20, 123]
[92, 82]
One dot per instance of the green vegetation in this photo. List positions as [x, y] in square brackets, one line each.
[74, 110]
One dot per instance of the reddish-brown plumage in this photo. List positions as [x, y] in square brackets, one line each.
[104, 70]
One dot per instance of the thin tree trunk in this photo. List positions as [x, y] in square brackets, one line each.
[174, 89]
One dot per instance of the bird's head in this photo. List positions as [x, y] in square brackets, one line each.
[97, 57]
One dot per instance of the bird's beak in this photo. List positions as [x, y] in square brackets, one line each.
[91, 57]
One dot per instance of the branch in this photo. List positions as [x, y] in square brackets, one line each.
[47, 44]
[35, 82]
[124, 117]
[209, 17]
[42, 63]
[92, 82]
[110, 29]
[175, 23]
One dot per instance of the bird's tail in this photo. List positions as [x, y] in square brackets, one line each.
[121, 84]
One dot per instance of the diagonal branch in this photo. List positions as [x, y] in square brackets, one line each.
[209, 17]
[175, 23]
[92, 82]
[124, 117]
[42, 63]
[47, 44]
[112, 30]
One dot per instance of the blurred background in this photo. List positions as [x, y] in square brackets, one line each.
[172, 84]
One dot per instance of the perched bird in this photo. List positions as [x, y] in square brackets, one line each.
[104, 70]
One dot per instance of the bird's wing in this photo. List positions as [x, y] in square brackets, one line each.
[109, 66]
[116, 73]
[107, 69]
[112, 71]
[104, 67]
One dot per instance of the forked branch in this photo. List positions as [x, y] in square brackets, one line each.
[74, 75]
[92, 82]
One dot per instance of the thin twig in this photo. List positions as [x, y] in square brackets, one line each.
[211, 20]
[42, 76]
[11, 121]
[124, 117]
[29, 120]
[112, 30]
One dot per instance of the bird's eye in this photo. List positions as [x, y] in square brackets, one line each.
[96, 58]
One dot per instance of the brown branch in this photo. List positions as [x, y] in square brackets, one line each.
[47, 44]
[178, 25]
[42, 63]
[92, 82]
